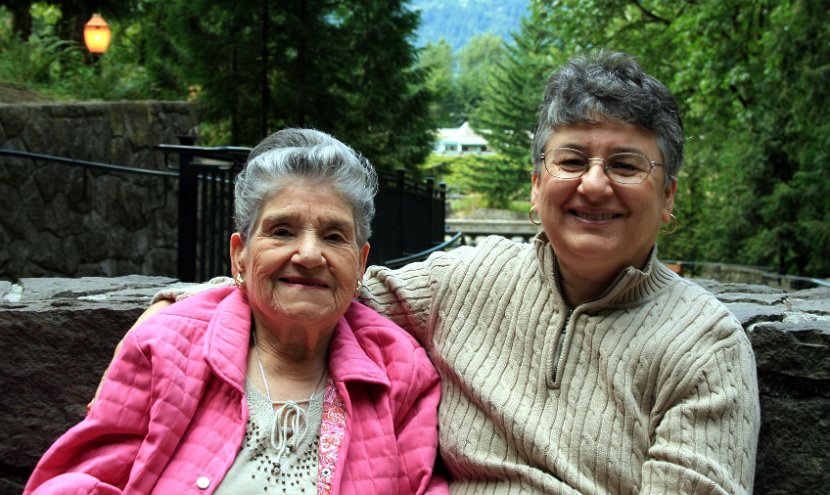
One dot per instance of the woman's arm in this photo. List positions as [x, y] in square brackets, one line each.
[161, 300]
[409, 296]
[97, 455]
[152, 309]
[705, 441]
[416, 426]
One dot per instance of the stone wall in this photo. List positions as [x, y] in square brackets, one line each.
[58, 335]
[62, 220]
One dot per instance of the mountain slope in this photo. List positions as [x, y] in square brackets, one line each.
[458, 21]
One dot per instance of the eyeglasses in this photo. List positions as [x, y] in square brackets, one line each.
[624, 168]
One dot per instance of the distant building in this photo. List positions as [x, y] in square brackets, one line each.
[455, 141]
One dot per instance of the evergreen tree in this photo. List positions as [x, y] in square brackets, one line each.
[476, 62]
[218, 51]
[497, 179]
[507, 114]
[458, 81]
[473, 173]
[387, 97]
[341, 67]
[437, 60]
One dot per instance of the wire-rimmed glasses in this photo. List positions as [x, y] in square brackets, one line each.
[627, 167]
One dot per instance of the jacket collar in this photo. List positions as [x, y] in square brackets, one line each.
[229, 333]
[228, 336]
[348, 360]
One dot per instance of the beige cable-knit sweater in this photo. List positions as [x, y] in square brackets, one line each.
[649, 389]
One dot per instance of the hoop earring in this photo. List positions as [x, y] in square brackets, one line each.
[530, 214]
[674, 223]
[240, 279]
[357, 288]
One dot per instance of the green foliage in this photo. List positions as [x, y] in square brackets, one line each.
[458, 81]
[436, 59]
[508, 113]
[499, 179]
[506, 116]
[750, 77]
[476, 62]
[467, 205]
[341, 67]
[62, 69]
[493, 177]
[31, 61]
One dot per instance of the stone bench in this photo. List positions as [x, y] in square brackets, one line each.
[57, 336]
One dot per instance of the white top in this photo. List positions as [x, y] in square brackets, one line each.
[257, 468]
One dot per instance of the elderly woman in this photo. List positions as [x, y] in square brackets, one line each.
[279, 383]
[579, 364]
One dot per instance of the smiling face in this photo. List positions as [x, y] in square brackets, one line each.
[302, 262]
[598, 227]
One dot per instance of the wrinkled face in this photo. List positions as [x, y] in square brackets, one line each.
[592, 222]
[302, 262]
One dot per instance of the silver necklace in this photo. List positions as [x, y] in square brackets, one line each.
[289, 418]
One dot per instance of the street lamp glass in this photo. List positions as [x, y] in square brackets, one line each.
[97, 34]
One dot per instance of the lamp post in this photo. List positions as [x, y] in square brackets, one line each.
[97, 35]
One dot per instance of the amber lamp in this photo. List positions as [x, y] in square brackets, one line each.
[97, 35]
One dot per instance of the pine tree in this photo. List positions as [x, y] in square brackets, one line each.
[507, 114]
[342, 67]
[476, 61]
[388, 102]
[447, 106]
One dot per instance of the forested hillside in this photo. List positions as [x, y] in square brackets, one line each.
[458, 21]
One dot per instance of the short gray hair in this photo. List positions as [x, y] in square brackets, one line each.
[305, 154]
[612, 85]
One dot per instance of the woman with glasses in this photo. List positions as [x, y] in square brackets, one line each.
[580, 364]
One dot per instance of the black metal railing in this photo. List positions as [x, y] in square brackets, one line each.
[457, 239]
[85, 163]
[409, 221]
[409, 218]
[761, 275]
[205, 206]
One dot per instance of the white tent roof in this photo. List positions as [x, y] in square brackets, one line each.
[464, 135]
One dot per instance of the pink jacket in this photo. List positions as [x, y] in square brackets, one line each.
[171, 414]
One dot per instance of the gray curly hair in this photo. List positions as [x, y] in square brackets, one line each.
[310, 155]
[612, 85]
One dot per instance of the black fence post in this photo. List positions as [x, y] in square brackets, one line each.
[439, 213]
[402, 211]
[430, 194]
[188, 184]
